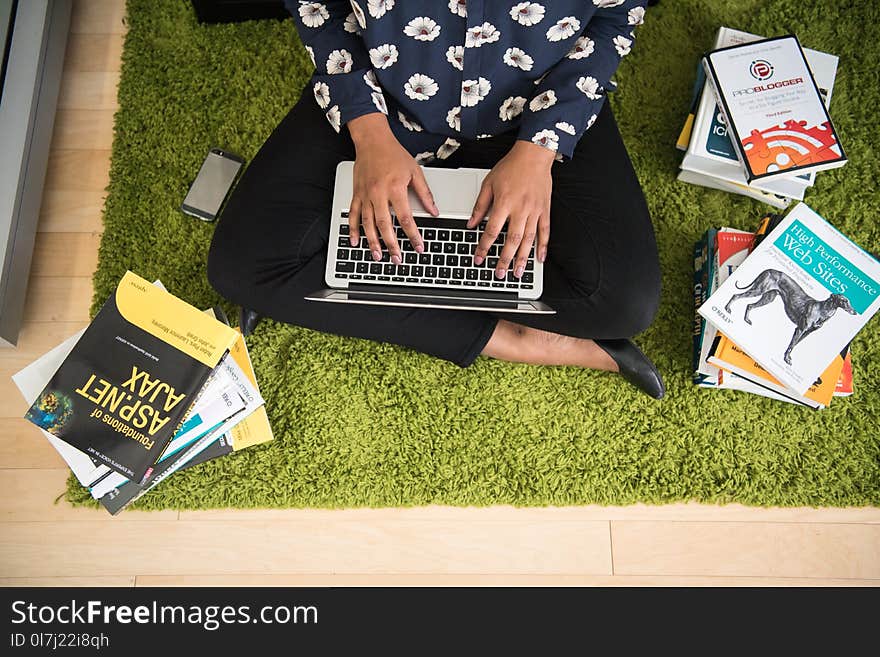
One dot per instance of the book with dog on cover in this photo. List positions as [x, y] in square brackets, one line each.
[773, 110]
[127, 384]
[798, 299]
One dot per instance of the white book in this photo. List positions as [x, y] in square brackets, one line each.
[703, 180]
[710, 151]
[773, 109]
[798, 299]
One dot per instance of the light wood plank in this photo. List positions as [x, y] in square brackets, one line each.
[12, 404]
[88, 90]
[282, 579]
[65, 254]
[78, 170]
[122, 582]
[23, 446]
[93, 52]
[98, 17]
[30, 494]
[683, 512]
[71, 211]
[58, 299]
[746, 549]
[89, 129]
[35, 339]
[44, 549]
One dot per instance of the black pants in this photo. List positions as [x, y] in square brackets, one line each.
[601, 276]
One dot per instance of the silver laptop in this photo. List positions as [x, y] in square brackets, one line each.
[444, 275]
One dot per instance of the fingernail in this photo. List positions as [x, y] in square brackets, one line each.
[420, 248]
[395, 259]
[354, 240]
[500, 273]
[478, 260]
[377, 255]
[543, 255]
[519, 271]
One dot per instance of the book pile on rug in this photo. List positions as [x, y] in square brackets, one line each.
[777, 309]
[150, 387]
[766, 98]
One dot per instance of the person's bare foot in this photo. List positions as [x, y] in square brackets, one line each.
[523, 344]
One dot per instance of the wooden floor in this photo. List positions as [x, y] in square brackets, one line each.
[44, 542]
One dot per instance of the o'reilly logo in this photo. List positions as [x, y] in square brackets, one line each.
[761, 69]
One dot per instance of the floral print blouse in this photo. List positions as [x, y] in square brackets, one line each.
[467, 69]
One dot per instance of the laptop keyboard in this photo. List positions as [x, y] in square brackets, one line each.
[448, 258]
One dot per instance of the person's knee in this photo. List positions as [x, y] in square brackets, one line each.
[228, 262]
[638, 299]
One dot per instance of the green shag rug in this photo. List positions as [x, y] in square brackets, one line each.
[374, 425]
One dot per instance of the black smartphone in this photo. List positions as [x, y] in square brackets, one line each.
[209, 190]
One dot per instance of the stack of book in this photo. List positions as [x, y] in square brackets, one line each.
[150, 387]
[768, 96]
[777, 309]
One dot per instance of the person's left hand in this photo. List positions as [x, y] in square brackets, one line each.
[517, 192]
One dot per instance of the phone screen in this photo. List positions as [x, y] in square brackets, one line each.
[211, 186]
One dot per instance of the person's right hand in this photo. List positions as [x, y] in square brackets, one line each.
[383, 170]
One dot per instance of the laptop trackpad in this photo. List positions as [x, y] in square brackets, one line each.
[455, 191]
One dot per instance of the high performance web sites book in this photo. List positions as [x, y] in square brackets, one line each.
[775, 115]
[122, 392]
[798, 299]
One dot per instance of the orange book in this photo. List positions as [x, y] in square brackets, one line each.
[730, 357]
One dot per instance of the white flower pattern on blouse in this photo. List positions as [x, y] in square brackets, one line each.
[566, 127]
[511, 108]
[583, 47]
[589, 86]
[313, 14]
[339, 61]
[453, 118]
[455, 56]
[335, 117]
[545, 100]
[543, 69]
[358, 14]
[622, 45]
[564, 28]
[322, 94]
[351, 24]
[383, 56]
[547, 139]
[473, 91]
[518, 58]
[372, 81]
[458, 7]
[379, 102]
[422, 29]
[527, 13]
[420, 87]
[408, 123]
[447, 148]
[636, 16]
[480, 34]
[377, 8]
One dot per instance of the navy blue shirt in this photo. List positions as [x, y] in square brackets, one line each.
[442, 71]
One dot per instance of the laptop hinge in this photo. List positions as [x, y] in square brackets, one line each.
[440, 293]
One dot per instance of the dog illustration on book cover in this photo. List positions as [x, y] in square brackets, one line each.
[806, 313]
